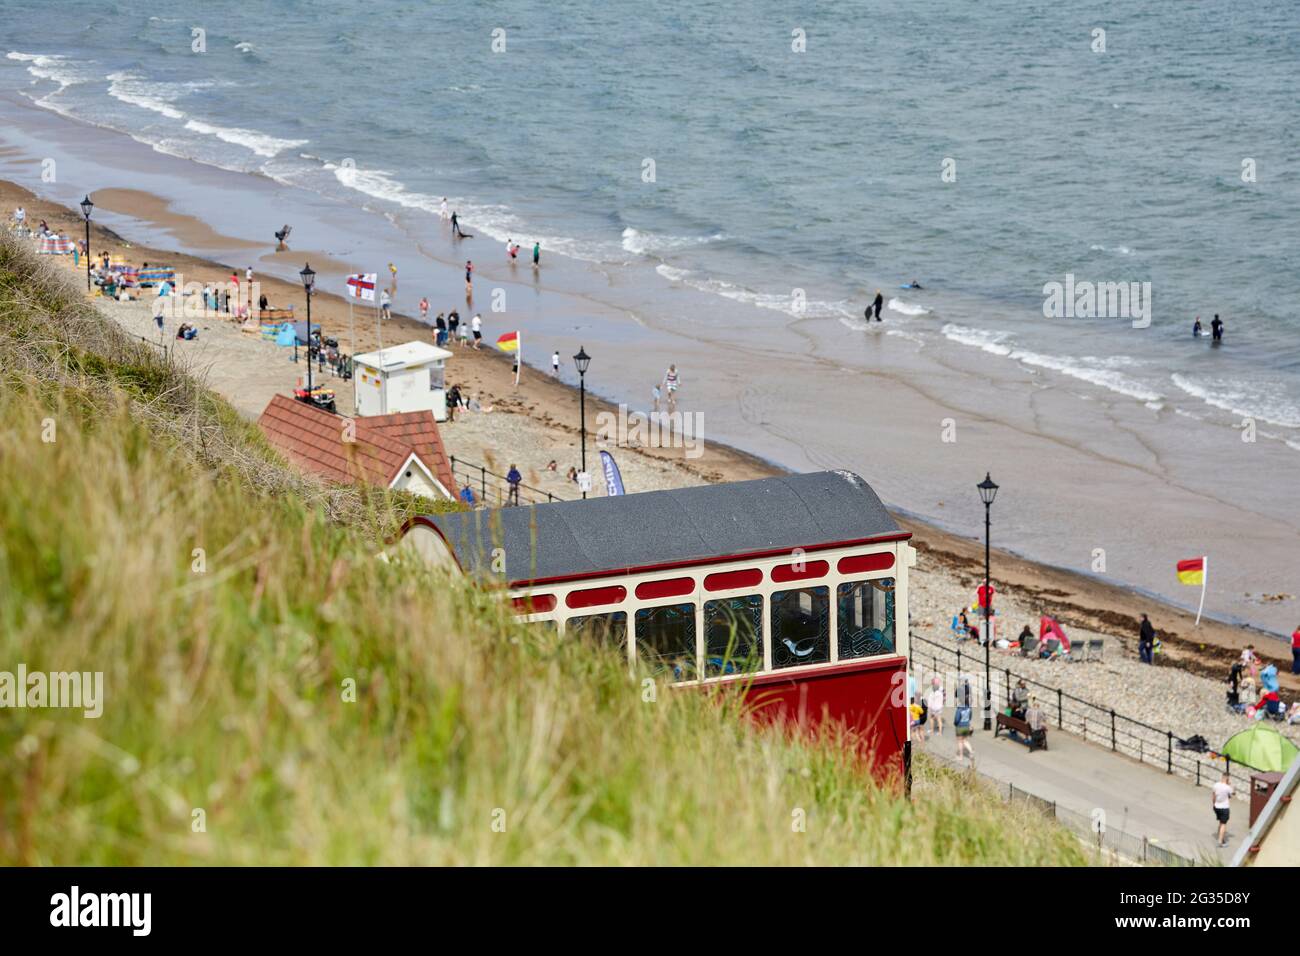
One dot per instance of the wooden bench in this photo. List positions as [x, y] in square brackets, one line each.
[1019, 730]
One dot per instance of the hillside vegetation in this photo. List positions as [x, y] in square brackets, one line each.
[232, 605]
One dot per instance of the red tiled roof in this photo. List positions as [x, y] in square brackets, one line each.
[314, 440]
[420, 431]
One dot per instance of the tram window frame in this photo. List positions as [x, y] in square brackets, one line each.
[659, 663]
[881, 592]
[783, 656]
[578, 630]
[754, 658]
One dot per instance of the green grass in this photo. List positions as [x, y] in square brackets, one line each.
[225, 683]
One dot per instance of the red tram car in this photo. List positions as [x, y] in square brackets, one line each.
[795, 586]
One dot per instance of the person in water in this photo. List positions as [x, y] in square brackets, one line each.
[1197, 331]
[1216, 328]
[876, 304]
[914, 284]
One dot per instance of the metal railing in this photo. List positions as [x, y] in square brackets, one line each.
[1093, 722]
[492, 489]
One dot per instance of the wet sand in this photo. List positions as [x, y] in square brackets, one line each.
[550, 407]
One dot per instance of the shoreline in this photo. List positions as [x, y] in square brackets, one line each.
[548, 405]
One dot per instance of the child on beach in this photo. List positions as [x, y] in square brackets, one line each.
[464, 336]
[537, 254]
[469, 278]
[476, 326]
[555, 370]
[424, 309]
[384, 302]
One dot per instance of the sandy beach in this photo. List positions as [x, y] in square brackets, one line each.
[536, 422]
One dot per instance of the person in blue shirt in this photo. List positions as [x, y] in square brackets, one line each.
[467, 495]
[514, 478]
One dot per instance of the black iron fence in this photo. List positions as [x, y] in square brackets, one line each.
[494, 490]
[1093, 722]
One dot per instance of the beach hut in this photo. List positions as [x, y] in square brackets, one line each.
[403, 378]
[791, 591]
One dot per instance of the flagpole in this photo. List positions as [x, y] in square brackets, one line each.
[1205, 580]
[379, 331]
[519, 355]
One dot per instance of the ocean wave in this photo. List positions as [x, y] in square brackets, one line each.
[1091, 369]
[260, 143]
[784, 302]
[649, 244]
[1265, 401]
[906, 308]
[1119, 250]
[137, 91]
[672, 273]
[52, 67]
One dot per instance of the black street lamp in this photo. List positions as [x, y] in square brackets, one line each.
[582, 360]
[988, 491]
[308, 280]
[86, 208]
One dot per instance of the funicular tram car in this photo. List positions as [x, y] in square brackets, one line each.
[795, 586]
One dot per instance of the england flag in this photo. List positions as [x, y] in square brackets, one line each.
[362, 286]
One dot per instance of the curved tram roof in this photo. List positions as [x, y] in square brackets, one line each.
[600, 536]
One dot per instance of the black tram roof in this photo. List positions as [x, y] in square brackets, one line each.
[566, 540]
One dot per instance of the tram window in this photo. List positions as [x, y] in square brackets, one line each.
[866, 618]
[733, 635]
[549, 625]
[801, 632]
[665, 639]
[606, 629]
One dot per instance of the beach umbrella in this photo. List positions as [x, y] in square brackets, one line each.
[1262, 748]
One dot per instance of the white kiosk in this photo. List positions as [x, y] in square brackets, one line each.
[403, 378]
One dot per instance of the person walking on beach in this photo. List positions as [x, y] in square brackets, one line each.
[453, 322]
[1216, 328]
[876, 304]
[442, 210]
[537, 254]
[385, 301]
[455, 225]
[440, 333]
[1222, 803]
[424, 309]
[476, 326]
[555, 370]
[672, 381]
[1146, 641]
[1295, 651]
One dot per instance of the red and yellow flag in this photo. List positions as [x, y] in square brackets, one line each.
[1192, 571]
[509, 342]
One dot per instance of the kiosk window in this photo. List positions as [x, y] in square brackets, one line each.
[607, 629]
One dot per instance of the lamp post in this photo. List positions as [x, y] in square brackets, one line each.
[86, 208]
[988, 491]
[582, 360]
[308, 280]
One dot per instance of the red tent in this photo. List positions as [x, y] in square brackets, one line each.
[1048, 626]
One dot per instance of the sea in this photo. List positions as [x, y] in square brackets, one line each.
[786, 163]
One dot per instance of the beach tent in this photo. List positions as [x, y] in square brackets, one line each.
[55, 245]
[1261, 748]
[1047, 627]
[286, 336]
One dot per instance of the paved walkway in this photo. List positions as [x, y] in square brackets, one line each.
[1137, 798]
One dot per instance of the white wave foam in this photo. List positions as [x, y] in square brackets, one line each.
[672, 273]
[245, 47]
[905, 308]
[1119, 250]
[647, 243]
[260, 143]
[52, 67]
[1266, 401]
[137, 91]
[1095, 371]
[909, 336]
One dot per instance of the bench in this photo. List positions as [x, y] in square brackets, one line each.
[1019, 730]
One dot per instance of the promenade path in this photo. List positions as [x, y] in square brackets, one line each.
[1139, 799]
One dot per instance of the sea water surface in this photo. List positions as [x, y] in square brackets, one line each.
[782, 165]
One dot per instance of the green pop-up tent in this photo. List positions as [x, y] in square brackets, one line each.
[1262, 748]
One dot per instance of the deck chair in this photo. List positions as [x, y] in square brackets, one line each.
[1095, 648]
[1078, 652]
[959, 632]
[1030, 647]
